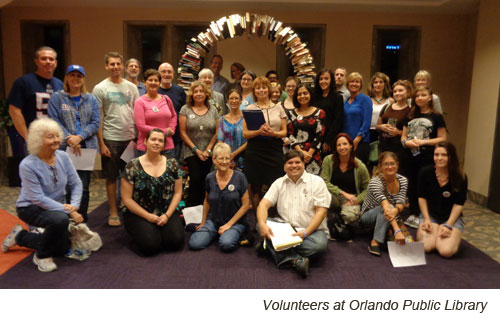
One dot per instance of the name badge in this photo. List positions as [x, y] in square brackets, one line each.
[65, 107]
[155, 109]
[299, 117]
[201, 127]
[191, 116]
[446, 194]
[230, 187]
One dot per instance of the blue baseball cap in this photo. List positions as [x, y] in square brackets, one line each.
[77, 68]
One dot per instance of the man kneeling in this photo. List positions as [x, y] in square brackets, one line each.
[302, 200]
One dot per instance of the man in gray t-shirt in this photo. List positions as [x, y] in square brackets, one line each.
[116, 97]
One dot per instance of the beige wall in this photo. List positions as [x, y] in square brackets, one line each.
[483, 98]
[446, 49]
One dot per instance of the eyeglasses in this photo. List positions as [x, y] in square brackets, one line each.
[54, 172]
[223, 159]
[389, 164]
[246, 79]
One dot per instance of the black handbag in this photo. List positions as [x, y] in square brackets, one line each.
[338, 229]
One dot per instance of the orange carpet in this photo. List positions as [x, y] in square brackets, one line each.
[16, 253]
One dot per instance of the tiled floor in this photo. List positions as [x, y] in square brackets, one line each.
[482, 226]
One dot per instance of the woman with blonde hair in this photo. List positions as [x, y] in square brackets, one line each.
[423, 78]
[197, 126]
[379, 90]
[264, 154]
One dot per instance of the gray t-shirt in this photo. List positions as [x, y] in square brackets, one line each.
[199, 128]
[117, 104]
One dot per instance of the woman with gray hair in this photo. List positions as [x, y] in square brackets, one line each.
[206, 76]
[45, 175]
[225, 205]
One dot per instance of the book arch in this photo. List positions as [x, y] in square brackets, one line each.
[236, 25]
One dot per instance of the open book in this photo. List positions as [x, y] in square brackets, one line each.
[283, 238]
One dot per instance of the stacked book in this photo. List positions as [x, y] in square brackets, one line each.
[236, 25]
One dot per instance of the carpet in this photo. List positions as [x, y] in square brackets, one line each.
[16, 253]
[346, 265]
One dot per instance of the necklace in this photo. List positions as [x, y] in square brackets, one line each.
[441, 179]
[379, 100]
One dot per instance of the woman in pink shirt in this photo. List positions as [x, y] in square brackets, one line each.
[153, 110]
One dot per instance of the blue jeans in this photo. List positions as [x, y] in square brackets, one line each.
[313, 245]
[228, 241]
[375, 218]
[54, 241]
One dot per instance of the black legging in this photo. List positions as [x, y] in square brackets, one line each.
[152, 238]
[198, 171]
[413, 167]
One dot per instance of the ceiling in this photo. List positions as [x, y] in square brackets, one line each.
[387, 6]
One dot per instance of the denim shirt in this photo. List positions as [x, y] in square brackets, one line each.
[62, 110]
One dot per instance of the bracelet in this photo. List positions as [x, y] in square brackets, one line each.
[403, 142]
[194, 148]
[305, 234]
[397, 231]
[448, 226]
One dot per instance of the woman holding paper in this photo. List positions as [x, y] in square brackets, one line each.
[442, 191]
[78, 114]
[264, 154]
[225, 205]
[151, 190]
[384, 201]
[153, 110]
[45, 175]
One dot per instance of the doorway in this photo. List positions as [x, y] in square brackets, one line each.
[396, 51]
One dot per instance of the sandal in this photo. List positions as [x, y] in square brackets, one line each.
[114, 221]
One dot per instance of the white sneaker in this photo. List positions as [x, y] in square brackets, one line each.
[10, 240]
[44, 264]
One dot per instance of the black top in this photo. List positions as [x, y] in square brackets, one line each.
[424, 126]
[344, 180]
[333, 105]
[440, 200]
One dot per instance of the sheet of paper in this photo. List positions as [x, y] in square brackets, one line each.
[193, 215]
[129, 153]
[409, 254]
[283, 238]
[85, 161]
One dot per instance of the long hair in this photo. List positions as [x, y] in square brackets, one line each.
[83, 90]
[335, 155]
[189, 96]
[407, 85]
[317, 89]
[261, 81]
[415, 108]
[455, 173]
[386, 93]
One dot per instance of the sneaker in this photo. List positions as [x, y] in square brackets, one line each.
[374, 250]
[10, 240]
[301, 266]
[44, 264]
[412, 221]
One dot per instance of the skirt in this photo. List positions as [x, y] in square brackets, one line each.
[263, 161]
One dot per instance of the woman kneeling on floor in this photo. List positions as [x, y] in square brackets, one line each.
[225, 206]
[384, 202]
[151, 191]
[45, 175]
[442, 191]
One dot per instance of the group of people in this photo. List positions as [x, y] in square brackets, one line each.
[313, 152]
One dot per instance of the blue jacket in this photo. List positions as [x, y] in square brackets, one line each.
[61, 109]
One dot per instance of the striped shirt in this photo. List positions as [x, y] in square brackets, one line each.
[377, 192]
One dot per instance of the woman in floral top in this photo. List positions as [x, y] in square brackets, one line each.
[151, 191]
[306, 128]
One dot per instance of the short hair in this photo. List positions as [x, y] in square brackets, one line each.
[239, 66]
[386, 93]
[66, 85]
[151, 72]
[423, 74]
[45, 48]
[189, 96]
[317, 88]
[233, 90]
[294, 78]
[278, 86]
[262, 81]
[406, 84]
[217, 55]
[130, 60]
[353, 76]
[250, 73]
[295, 100]
[342, 68]
[36, 131]
[272, 71]
[220, 148]
[205, 71]
[112, 54]
[293, 154]
[156, 130]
